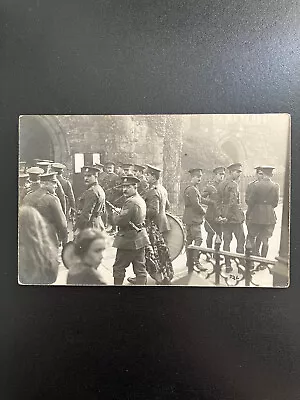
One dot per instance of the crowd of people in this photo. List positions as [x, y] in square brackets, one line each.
[130, 203]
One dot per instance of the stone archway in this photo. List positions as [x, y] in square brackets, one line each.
[41, 136]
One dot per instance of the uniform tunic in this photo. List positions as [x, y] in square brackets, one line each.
[90, 208]
[143, 187]
[158, 262]
[50, 208]
[157, 203]
[210, 197]
[193, 215]
[229, 207]
[248, 193]
[61, 196]
[131, 244]
[262, 201]
[68, 191]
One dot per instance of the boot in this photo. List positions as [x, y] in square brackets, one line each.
[189, 260]
[264, 250]
[118, 281]
[141, 280]
[197, 264]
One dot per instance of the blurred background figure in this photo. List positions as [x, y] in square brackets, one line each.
[38, 258]
[83, 256]
[59, 191]
[47, 203]
[23, 185]
[67, 188]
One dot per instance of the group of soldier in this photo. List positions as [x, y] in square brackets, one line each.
[131, 201]
[224, 216]
[123, 199]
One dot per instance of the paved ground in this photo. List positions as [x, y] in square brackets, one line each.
[263, 278]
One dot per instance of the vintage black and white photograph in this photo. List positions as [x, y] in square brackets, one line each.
[154, 200]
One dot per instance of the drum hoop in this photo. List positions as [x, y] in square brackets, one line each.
[181, 226]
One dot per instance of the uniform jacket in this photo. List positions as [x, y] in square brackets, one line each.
[109, 183]
[61, 196]
[249, 190]
[143, 187]
[263, 199]
[68, 190]
[210, 197]
[228, 202]
[50, 208]
[30, 189]
[157, 203]
[134, 210]
[193, 210]
[90, 208]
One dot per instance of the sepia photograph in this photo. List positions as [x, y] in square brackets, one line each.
[154, 200]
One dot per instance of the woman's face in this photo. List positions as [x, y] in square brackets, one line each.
[94, 255]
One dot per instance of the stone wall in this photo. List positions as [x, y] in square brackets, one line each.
[155, 140]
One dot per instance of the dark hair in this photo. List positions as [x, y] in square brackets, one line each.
[85, 239]
[38, 256]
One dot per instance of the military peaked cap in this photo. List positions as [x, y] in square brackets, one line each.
[109, 163]
[218, 170]
[129, 180]
[35, 171]
[267, 169]
[58, 166]
[93, 169]
[127, 165]
[152, 168]
[139, 167]
[23, 175]
[191, 170]
[235, 167]
[50, 177]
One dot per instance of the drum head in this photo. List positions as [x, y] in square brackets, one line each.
[68, 255]
[175, 237]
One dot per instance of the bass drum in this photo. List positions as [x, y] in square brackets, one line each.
[175, 237]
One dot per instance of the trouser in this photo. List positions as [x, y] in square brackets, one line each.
[126, 257]
[238, 231]
[259, 234]
[193, 235]
[212, 228]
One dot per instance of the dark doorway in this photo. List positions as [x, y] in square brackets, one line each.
[35, 142]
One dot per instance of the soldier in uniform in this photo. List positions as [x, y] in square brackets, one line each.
[132, 237]
[23, 185]
[109, 183]
[91, 204]
[101, 174]
[143, 184]
[47, 203]
[59, 191]
[262, 201]
[67, 188]
[157, 199]
[230, 210]
[127, 169]
[193, 218]
[250, 186]
[119, 169]
[34, 174]
[210, 197]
